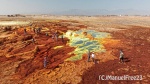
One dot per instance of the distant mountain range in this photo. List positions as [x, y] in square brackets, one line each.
[103, 12]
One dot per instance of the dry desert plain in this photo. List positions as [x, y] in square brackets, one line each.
[21, 59]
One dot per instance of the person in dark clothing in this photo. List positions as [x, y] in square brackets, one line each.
[34, 30]
[89, 54]
[38, 30]
[62, 38]
[25, 31]
[56, 35]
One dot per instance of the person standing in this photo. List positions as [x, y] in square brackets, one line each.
[121, 57]
[45, 61]
[93, 57]
[25, 31]
[62, 38]
[53, 37]
[88, 55]
[39, 30]
[46, 34]
[34, 30]
[33, 40]
[56, 35]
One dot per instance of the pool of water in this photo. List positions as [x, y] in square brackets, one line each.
[83, 43]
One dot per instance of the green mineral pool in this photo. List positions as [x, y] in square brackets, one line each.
[82, 43]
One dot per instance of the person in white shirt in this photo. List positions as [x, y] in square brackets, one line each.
[121, 56]
[93, 56]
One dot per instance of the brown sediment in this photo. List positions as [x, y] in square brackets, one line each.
[22, 60]
[136, 48]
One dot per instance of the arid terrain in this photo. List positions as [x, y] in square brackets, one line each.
[22, 58]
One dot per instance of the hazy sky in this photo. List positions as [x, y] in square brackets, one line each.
[48, 6]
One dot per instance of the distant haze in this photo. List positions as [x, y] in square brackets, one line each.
[75, 7]
[103, 12]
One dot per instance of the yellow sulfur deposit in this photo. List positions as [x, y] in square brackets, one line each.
[84, 40]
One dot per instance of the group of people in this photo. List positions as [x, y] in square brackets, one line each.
[55, 38]
[37, 30]
[92, 55]
[56, 35]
